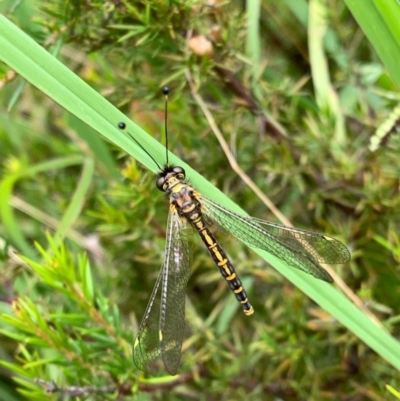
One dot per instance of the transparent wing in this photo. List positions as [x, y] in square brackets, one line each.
[147, 346]
[300, 249]
[176, 276]
[162, 328]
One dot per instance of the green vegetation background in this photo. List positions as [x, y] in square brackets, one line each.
[297, 91]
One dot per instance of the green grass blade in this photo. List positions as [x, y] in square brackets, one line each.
[253, 33]
[379, 19]
[6, 190]
[325, 94]
[77, 200]
[57, 81]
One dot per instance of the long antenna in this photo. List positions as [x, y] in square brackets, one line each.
[165, 92]
[122, 126]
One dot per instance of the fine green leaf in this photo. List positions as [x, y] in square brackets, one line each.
[53, 78]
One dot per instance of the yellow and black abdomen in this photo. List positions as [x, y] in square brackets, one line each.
[224, 265]
[189, 207]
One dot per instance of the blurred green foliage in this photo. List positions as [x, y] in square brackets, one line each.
[71, 303]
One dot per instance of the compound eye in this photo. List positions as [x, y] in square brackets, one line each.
[160, 183]
[178, 170]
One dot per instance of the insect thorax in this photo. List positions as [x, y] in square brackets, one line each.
[183, 198]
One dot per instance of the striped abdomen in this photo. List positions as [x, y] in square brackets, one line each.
[189, 207]
[224, 264]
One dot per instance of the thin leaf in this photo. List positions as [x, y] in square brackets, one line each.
[57, 81]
